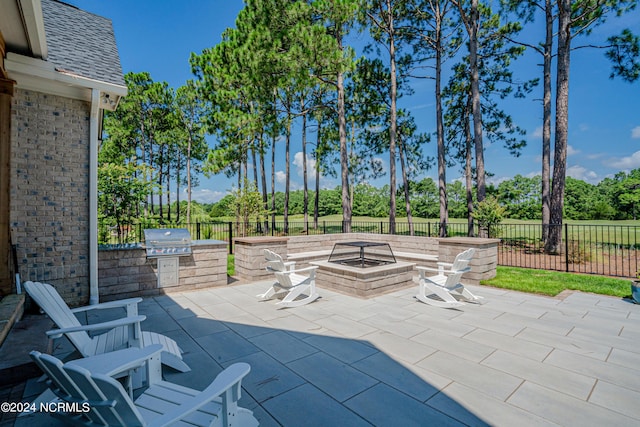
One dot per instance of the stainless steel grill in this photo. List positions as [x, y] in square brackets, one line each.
[167, 242]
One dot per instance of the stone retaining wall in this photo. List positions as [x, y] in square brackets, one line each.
[250, 263]
[398, 243]
[126, 272]
[485, 259]
[249, 256]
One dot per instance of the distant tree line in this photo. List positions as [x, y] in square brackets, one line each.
[616, 198]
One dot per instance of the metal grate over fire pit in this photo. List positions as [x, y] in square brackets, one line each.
[362, 254]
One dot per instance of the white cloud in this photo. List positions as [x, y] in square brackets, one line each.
[495, 180]
[635, 132]
[206, 195]
[628, 162]
[281, 177]
[583, 127]
[579, 172]
[311, 165]
[571, 151]
[537, 133]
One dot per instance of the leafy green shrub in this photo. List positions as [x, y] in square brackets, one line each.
[489, 214]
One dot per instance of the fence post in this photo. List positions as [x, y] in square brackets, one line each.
[566, 246]
[380, 227]
[230, 229]
[198, 231]
[324, 227]
[428, 229]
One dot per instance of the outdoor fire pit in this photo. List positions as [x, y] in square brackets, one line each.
[363, 269]
[362, 254]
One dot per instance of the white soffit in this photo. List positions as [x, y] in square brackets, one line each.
[41, 76]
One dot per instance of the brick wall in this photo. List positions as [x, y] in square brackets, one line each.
[50, 191]
[124, 273]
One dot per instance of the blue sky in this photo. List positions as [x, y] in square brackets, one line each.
[604, 131]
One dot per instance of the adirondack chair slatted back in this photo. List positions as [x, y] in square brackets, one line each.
[53, 368]
[453, 279]
[102, 389]
[274, 261]
[52, 303]
[463, 259]
[285, 279]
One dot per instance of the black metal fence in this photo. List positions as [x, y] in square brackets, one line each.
[610, 250]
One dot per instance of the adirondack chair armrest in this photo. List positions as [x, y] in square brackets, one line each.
[302, 270]
[116, 362]
[228, 380]
[441, 270]
[423, 269]
[57, 333]
[106, 305]
[445, 264]
[289, 265]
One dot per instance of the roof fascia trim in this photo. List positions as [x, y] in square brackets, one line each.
[24, 65]
[33, 20]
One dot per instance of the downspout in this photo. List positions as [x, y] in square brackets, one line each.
[94, 125]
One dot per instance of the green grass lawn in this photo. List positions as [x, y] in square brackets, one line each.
[231, 265]
[552, 282]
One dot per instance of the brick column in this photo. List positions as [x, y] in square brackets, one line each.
[249, 256]
[484, 262]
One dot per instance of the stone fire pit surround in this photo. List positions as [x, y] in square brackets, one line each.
[309, 249]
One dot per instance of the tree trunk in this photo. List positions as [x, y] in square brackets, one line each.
[344, 160]
[468, 174]
[239, 232]
[316, 196]
[263, 180]
[189, 145]
[255, 165]
[273, 182]
[562, 127]
[287, 172]
[305, 202]
[476, 103]
[442, 161]
[393, 93]
[546, 126]
[178, 187]
[168, 181]
[405, 184]
[161, 184]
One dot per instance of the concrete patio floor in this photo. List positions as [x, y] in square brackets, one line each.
[518, 359]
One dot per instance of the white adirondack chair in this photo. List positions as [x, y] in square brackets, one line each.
[446, 285]
[297, 285]
[162, 404]
[290, 281]
[121, 333]
[125, 363]
[275, 264]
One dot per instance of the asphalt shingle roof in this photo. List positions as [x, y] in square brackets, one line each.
[81, 43]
